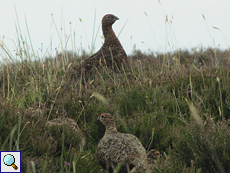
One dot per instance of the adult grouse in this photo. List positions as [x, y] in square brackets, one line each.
[111, 55]
[116, 149]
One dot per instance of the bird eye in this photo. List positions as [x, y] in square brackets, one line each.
[109, 17]
[102, 116]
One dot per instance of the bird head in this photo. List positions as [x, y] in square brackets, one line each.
[106, 119]
[109, 19]
[153, 155]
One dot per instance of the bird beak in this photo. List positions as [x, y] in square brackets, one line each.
[116, 18]
[98, 118]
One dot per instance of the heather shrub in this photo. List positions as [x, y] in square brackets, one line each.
[206, 146]
[149, 99]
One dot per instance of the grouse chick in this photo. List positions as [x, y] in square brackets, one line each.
[111, 54]
[152, 157]
[119, 149]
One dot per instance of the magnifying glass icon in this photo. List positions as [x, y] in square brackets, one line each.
[9, 160]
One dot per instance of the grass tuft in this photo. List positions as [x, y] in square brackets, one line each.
[177, 103]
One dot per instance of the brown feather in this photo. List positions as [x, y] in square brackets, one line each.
[111, 54]
[119, 148]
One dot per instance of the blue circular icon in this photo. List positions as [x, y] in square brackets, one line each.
[8, 159]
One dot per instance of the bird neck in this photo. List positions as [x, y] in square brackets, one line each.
[108, 33]
[111, 128]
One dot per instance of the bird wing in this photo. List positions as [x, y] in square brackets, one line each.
[92, 61]
[121, 148]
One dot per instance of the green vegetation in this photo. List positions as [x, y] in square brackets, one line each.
[178, 103]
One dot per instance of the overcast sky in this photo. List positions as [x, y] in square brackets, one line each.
[146, 27]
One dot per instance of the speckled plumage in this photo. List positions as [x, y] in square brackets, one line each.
[69, 123]
[119, 148]
[111, 54]
[37, 110]
[66, 121]
[152, 157]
